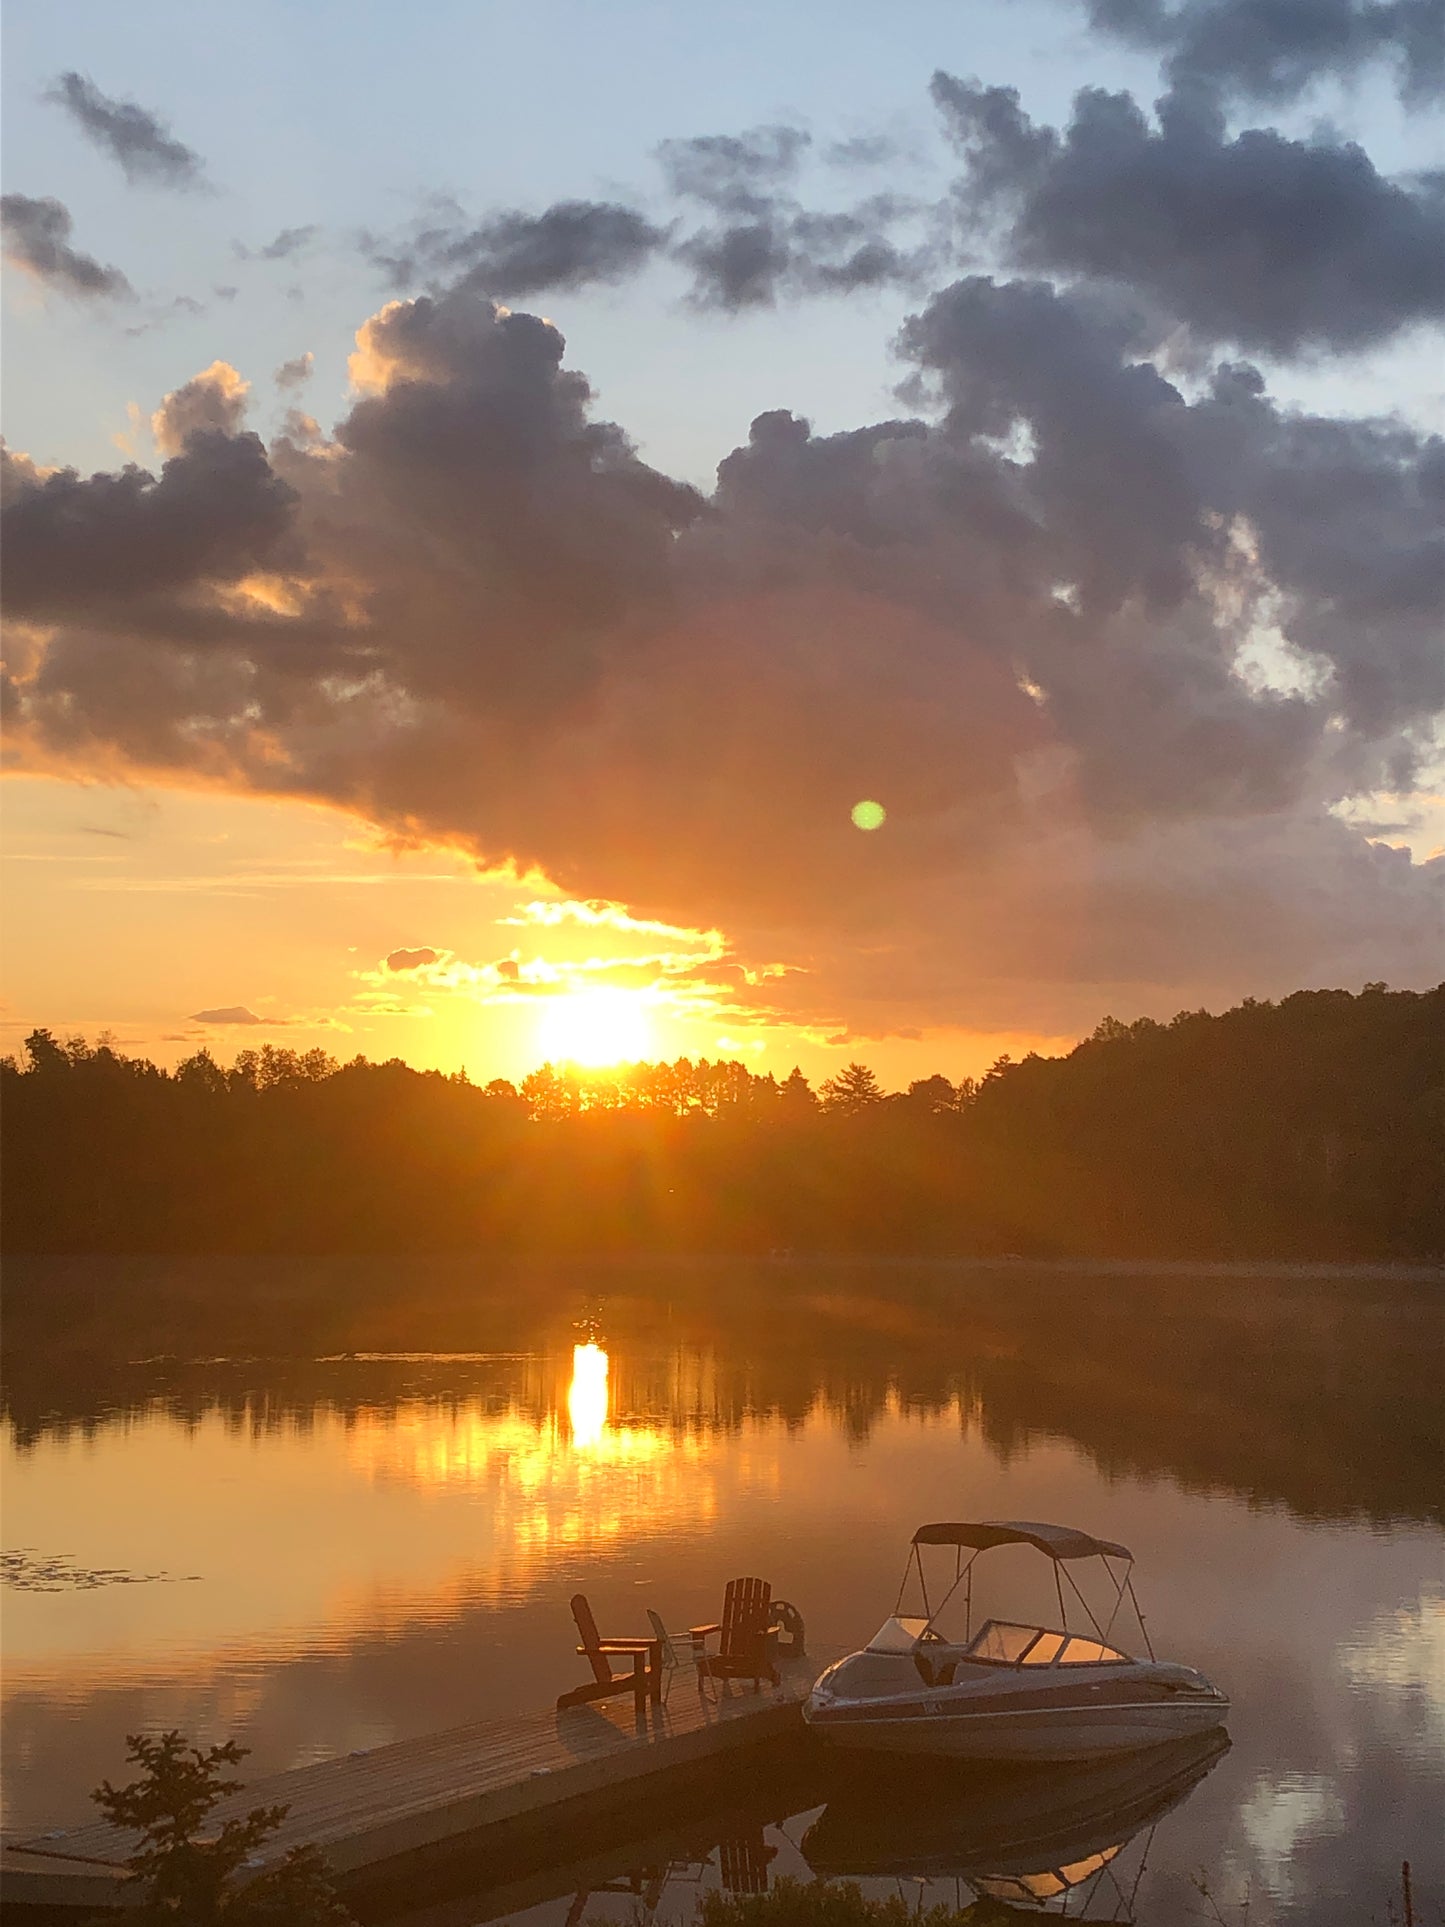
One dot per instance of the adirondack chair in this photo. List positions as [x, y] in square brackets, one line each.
[643, 1681]
[743, 1863]
[677, 1650]
[745, 1635]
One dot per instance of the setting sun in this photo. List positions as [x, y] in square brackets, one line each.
[595, 1027]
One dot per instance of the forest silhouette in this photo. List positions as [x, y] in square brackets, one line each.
[1308, 1130]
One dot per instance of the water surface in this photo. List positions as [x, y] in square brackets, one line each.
[316, 1547]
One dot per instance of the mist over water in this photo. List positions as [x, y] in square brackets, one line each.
[357, 1510]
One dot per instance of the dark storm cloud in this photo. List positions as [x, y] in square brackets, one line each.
[1017, 622]
[1272, 50]
[76, 544]
[37, 238]
[541, 527]
[1275, 244]
[400, 960]
[1343, 517]
[148, 154]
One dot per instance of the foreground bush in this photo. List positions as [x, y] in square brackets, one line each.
[829, 1903]
[190, 1872]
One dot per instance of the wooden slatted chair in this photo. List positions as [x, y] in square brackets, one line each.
[746, 1634]
[743, 1863]
[643, 1681]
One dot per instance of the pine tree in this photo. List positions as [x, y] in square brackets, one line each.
[187, 1867]
[854, 1089]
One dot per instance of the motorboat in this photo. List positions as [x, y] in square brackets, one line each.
[1012, 1690]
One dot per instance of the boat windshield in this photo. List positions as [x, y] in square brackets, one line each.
[900, 1634]
[1002, 1642]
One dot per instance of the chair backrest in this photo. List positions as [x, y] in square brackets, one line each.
[664, 1639]
[743, 1864]
[745, 1615]
[590, 1637]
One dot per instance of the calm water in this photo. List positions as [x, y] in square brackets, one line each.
[333, 1547]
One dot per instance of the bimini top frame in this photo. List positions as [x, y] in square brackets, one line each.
[1058, 1543]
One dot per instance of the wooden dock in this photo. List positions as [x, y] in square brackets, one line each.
[502, 1795]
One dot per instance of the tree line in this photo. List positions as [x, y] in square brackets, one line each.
[1309, 1129]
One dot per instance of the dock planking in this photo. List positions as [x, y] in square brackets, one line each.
[501, 1790]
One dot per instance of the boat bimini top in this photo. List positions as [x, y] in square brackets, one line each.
[1004, 1642]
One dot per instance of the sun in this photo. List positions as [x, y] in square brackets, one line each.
[595, 1027]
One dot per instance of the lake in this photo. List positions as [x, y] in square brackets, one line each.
[317, 1507]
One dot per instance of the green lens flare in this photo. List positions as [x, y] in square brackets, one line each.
[868, 815]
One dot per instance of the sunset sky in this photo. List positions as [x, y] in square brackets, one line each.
[491, 490]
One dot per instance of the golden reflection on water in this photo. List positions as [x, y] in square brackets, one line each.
[373, 1517]
[549, 1485]
[587, 1395]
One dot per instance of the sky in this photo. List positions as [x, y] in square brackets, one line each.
[487, 499]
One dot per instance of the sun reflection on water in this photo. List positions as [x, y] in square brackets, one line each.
[587, 1395]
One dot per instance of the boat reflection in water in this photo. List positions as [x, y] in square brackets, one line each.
[1023, 1833]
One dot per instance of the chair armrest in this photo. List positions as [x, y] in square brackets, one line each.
[701, 1632]
[619, 1646]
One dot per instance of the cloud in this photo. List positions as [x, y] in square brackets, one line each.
[764, 244]
[601, 915]
[862, 150]
[788, 252]
[148, 155]
[164, 312]
[87, 546]
[734, 171]
[1273, 244]
[290, 241]
[37, 239]
[570, 245]
[758, 243]
[400, 960]
[213, 402]
[228, 1014]
[1020, 617]
[1273, 50]
[295, 373]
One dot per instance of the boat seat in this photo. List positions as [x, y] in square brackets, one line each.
[931, 1675]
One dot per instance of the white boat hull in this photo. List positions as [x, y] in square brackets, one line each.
[1043, 1733]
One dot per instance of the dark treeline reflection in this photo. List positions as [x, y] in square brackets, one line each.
[1316, 1392]
[1310, 1129]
